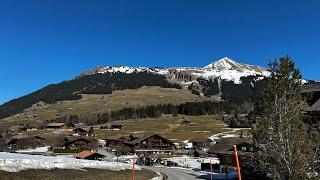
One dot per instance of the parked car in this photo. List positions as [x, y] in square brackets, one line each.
[171, 164]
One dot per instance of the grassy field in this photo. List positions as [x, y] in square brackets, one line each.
[90, 174]
[90, 105]
[170, 127]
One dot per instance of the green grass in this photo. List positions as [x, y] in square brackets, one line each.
[170, 127]
[89, 174]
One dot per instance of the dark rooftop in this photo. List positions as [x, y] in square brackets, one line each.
[226, 144]
[200, 140]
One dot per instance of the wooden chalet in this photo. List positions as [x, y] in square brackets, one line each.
[89, 155]
[23, 142]
[201, 143]
[28, 129]
[81, 131]
[143, 142]
[313, 112]
[57, 126]
[223, 150]
[312, 107]
[80, 143]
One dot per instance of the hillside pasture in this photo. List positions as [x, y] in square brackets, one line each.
[91, 105]
[170, 127]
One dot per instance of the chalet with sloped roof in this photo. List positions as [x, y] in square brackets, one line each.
[81, 131]
[23, 141]
[87, 143]
[57, 126]
[143, 142]
[223, 149]
[312, 107]
[201, 143]
[88, 155]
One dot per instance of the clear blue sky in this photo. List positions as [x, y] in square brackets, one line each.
[44, 41]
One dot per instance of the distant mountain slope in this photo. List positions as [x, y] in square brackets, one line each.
[90, 84]
[91, 105]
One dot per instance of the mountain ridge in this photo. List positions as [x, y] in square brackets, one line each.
[224, 69]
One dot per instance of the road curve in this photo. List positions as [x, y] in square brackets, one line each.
[173, 173]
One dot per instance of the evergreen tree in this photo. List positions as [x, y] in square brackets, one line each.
[91, 131]
[284, 148]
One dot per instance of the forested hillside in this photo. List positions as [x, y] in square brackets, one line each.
[248, 91]
[153, 111]
[91, 84]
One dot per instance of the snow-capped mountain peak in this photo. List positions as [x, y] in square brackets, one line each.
[224, 63]
[228, 69]
[225, 69]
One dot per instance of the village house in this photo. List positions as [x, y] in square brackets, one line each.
[81, 131]
[143, 143]
[223, 150]
[312, 107]
[313, 117]
[88, 155]
[200, 143]
[111, 127]
[28, 129]
[57, 126]
[87, 143]
[23, 142]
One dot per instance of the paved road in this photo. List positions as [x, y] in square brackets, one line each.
[181, 174]
[173, 173]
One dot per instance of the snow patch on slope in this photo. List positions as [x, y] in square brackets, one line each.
[36, 150]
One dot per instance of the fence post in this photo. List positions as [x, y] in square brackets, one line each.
[133, 175]
[237, 161]
[165, 169]
[210, 169]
